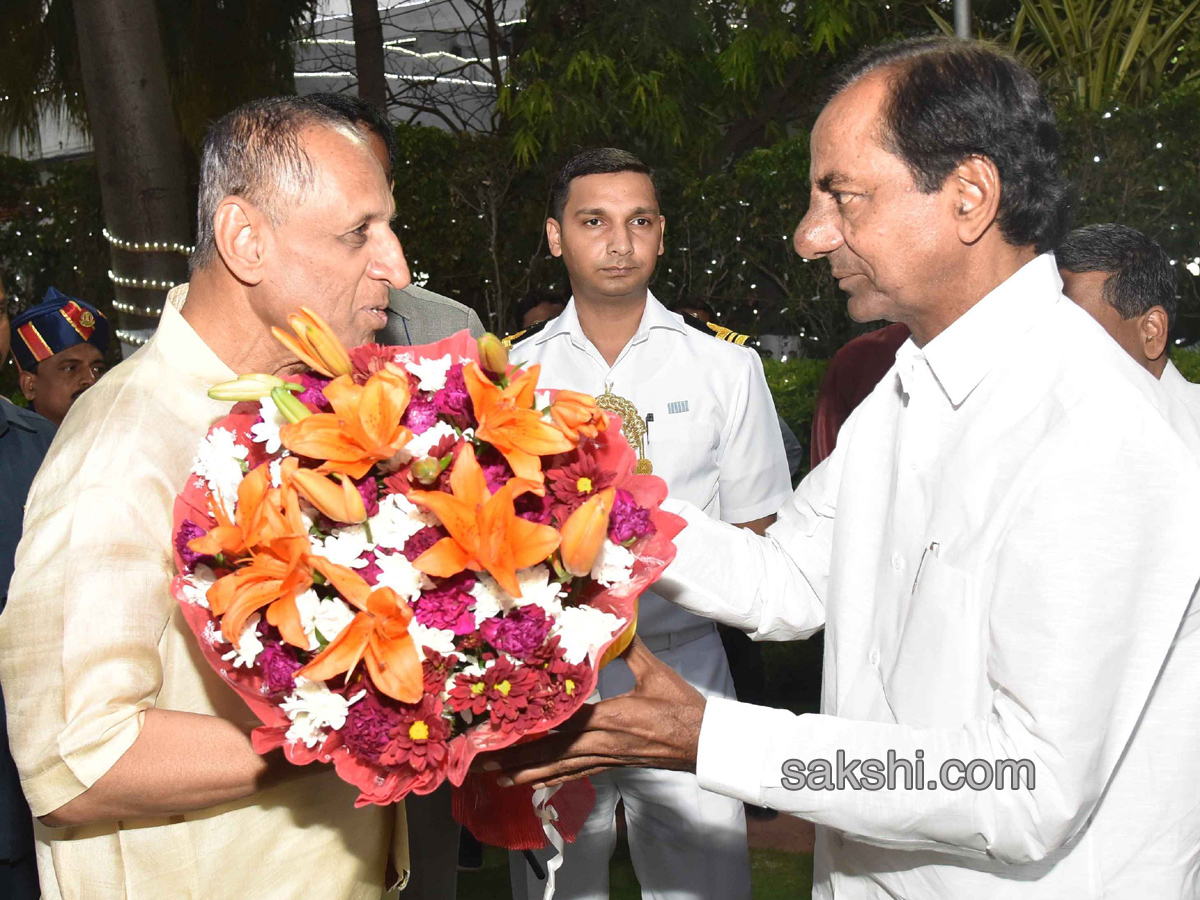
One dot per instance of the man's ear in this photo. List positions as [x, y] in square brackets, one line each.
[975, 192]
[1154, 332]
[242, 234]
[554, 236]
[28, 382]
[662, 235]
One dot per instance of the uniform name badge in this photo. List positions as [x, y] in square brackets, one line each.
[633, 426]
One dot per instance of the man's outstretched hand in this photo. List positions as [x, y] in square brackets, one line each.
[655, 726]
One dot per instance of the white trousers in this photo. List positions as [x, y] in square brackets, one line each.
[686, 843]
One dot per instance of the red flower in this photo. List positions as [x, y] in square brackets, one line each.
[369, 359]
[572, 484]
[503, 691]
[436, 669]
[419, 739]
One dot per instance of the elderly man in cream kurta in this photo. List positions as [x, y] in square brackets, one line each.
[132, 752]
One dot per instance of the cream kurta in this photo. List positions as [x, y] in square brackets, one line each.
[91, 638]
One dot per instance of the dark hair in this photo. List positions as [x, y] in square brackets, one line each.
[1140, 272]
[256, 152]
[952, 99]
[699, 306]
[357, 111]
[536, 298]
[600, 161]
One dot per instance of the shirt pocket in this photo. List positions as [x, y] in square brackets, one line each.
[683, 444]
[937, 676]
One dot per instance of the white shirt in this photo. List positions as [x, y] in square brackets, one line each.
[714, 438]
[1002, 550]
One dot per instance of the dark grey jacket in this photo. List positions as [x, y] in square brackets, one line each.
[418, 316]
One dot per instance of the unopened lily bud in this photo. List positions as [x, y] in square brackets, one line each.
[493, 355]
[289, 405]
[245, 387]
[426, 470]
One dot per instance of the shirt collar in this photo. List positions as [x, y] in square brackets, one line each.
[655, 315]
[11, 414]
[182, 348]
[1173, 378]
[962, 355]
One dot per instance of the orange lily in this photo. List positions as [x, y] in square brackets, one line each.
[378, 635]
[508, 421]
[485, 531]
[577, 415]
[342, 503]
[315, 343]
[273, 577]
[363, 429]
[263, 514]
[584, 531]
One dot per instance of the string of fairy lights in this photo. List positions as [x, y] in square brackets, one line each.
[133, 338]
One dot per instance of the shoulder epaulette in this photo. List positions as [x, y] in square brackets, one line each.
[517, 336]
[720, 332]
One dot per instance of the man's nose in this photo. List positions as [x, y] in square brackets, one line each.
[620, 242]
[88, 377]
[816, 235]
[389, 263]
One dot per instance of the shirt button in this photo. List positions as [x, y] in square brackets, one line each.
[897, 561]
[874, 657]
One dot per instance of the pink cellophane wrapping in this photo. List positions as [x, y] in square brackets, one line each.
[499, 816]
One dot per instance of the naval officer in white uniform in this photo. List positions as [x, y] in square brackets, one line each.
[708, 428]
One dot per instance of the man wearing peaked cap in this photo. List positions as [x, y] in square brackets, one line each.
[59, 347]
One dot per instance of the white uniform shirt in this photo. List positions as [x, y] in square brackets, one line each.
[1002, 550]
[715, 437]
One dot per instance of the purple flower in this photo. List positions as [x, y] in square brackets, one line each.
[368, 487]
[421, 414]
[496, 475]
[188, 531]
[368, 727]
[628, 520]
[420, 542]
[278, 667]
[447, 605]
[312, 395]
[453, 400]
[534, 508]
[519, 633]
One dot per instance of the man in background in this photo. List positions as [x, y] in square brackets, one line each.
[24, 439]
[539, 306]
[852, 374]
[711, 433]
[415, 315]
[59, 346]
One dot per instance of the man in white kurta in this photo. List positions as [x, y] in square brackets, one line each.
[1002, 549]
[126, 741]
[713, 436]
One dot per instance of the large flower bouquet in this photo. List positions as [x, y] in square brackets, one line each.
[405, 556]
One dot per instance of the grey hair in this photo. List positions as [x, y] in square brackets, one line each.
[256, 152]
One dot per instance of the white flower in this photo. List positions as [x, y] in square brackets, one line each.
[614, 564]
[422, 444]
[275, 468]
[328, 617]
[439, 640]
[267, 431]
[397, 573]
[490, 598]
[218, 461]
[313, 708]
[398, 519]
[580, 628]
[431, 372]
[344, 546]
[196, 585]
[249, 646]
[538, 590]
[541, 399]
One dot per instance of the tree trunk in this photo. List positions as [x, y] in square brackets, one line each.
[368, 53]
[139, 156]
